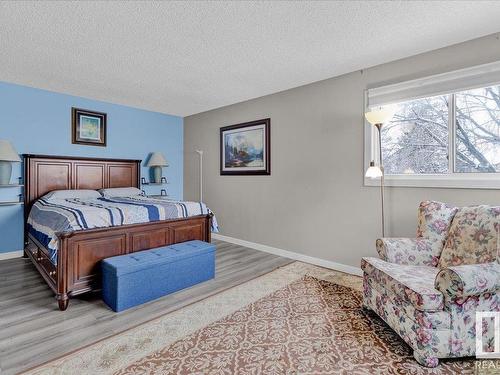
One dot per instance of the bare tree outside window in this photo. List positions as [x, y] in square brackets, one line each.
[478, 130]
[416, 141]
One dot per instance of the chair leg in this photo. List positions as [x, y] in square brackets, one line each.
[425, 359]
[366, 307]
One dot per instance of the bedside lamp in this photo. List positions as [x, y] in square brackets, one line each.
[157, 161]
[7, 156]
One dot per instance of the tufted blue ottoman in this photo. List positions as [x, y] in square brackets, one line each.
[131, 279]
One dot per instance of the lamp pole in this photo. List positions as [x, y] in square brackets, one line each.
[200, 154]
[381, 166]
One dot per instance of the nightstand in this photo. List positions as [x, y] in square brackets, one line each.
[166, 197]
[162, 184]
[13, 203]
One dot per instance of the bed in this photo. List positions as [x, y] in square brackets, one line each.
[69, 263]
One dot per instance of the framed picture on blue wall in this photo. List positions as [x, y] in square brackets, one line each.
[245, 149]
[88, 127]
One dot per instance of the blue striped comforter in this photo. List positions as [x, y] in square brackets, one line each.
[51, 216]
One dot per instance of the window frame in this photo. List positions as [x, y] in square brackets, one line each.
[452, 179]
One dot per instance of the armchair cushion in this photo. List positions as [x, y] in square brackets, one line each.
[434, 220]
[469, 280]
[411, 283]
[410, 251]
[473, 238]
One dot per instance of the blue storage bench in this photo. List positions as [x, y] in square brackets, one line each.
[131, 279]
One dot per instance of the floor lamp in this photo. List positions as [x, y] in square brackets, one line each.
[200, 154]
[378, 117]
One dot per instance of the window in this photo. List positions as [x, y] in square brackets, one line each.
[477, 140]
[417, 140]
[445, 131]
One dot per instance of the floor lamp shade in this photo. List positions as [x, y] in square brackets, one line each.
[380, 115]
[156, 162]
[373, 171]
[8, 155]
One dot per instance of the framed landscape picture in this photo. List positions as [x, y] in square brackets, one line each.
[245, 149]
[88, 127]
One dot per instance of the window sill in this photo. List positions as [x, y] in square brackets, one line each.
[455, 181]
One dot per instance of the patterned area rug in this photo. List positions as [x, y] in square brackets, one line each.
[299, 319]
[309, 327]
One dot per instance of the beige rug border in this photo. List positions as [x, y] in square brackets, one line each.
[115, 352]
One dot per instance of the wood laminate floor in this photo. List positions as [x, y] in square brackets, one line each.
[34, 331]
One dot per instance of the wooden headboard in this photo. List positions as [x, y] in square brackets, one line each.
[43, 173]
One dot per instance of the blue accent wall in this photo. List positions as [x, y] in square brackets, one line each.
[39, 122]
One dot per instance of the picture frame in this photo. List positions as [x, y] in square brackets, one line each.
[88, 127]
[245, 148]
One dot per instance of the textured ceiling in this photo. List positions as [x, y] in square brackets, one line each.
[187, 57]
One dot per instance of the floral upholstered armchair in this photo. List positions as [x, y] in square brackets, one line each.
[429, 288]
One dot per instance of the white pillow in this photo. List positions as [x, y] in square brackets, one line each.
[120, 192]
[77, 193]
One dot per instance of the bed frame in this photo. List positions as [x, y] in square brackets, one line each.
[80, 252]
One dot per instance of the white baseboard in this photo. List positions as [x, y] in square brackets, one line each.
[12, 254]
[292, 255]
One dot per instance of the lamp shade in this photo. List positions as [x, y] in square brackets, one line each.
[380, 115]
[157, 160]
[7, 152]
[373, 171]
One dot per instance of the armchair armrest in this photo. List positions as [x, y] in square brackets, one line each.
[411, 251]
[468, 280]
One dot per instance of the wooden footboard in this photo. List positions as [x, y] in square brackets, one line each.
[80, 252]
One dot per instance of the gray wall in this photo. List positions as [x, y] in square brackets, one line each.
[314, 202]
